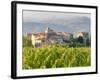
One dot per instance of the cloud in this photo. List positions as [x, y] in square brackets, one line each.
[51, 17]
[37, 21]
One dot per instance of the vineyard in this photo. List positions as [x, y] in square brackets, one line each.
[55, 56]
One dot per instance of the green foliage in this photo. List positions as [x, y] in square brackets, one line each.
[55, 56]
[26, 42]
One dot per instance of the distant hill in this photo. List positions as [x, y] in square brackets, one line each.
[72, 25]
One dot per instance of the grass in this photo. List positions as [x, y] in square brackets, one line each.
[55, 56]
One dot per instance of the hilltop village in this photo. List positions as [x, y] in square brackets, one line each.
[49, 36]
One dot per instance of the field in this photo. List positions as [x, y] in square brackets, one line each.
[55, 56]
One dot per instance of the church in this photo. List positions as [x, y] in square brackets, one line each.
[49, 36]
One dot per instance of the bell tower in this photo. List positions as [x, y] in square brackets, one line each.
[46, 31]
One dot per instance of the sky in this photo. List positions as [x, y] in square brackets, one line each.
[42, 16]
[37, 21]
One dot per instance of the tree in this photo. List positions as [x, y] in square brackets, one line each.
[80, 40]
[88, 42]
[26, 42]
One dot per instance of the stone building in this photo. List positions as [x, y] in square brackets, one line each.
[82, 34]
[49, 36]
